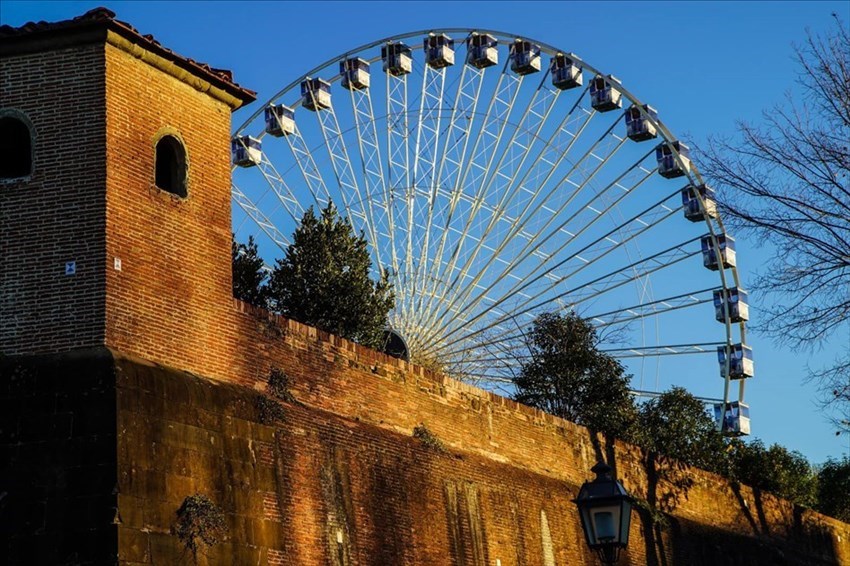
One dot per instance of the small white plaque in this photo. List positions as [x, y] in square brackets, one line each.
[117, 263]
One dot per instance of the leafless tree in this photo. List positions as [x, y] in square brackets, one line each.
[787, 182]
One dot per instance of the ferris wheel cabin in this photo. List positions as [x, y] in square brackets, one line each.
[740, 361]
[397, 58]
[734, 420]
[694, 211]
[639, 123]
[354, 73]
[734, 301]
[279, 120]
[726, 244]
[439, 51]
[668, 166]
[246, 151]
[565, 73]
[525, 57]
[315, 94]
[481, 50]
[604, 96]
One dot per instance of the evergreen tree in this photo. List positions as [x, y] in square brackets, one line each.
[323, 280]
[677, 424]
[776, 469]
[834, 489]
[249, 277]
[569, 377]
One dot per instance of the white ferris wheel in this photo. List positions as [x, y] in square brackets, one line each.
[496, 177]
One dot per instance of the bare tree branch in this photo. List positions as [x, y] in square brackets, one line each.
[787, 183]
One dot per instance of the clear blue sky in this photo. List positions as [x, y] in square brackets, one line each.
[704, 65]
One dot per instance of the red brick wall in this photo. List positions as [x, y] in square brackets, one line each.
[58, 214]
[166, 303]
[293, 487]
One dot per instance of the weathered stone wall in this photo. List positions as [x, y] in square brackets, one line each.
[326, 483]
[58, 459]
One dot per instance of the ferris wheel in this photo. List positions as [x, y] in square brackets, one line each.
[496, 177]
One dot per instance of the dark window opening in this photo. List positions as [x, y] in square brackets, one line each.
[394, 345]
[171, 166]
[15, 148]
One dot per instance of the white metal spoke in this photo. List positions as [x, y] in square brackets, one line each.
[375, 186]
[287, 199]
[671, 350]
[349, 188]
[307, 165]
[266, 225]
[586, 291]
[483, 154]
[502, 182]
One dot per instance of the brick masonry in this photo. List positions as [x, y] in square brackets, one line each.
[101, 437]
[58, 214]
[101, 449]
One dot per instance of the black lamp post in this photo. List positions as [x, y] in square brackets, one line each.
[605, 508]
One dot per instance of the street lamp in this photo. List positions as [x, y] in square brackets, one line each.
[605, 508]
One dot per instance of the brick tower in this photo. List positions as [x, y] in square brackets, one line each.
[114, 192]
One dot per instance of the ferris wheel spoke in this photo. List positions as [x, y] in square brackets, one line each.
[281, 189]
[555, 150]
[253, 212]
[652, 308]
[455, 149]
[375, 186]
[655, 394]
[349, 188]
[483, 153]
[665, 350]
[545, 257]
[398, 174]
[502, 181]
[461, 292]
[307, 165]
[456, 138]
[426, 150]
[552, 146]
[451, 162]
[586, 291]
[626, 231]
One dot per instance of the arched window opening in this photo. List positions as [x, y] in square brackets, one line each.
[171, 166]
[15, 148]
[395, 345]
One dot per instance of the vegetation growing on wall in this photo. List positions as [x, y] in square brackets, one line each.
[200, 524]
[428, 438]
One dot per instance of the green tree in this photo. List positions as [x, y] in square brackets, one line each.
[323, 280]
[249, 277]
[676, 424]
[776, 469]
[566, 375]
[834, 489]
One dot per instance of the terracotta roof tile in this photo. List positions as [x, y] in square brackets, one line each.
[106, 18]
